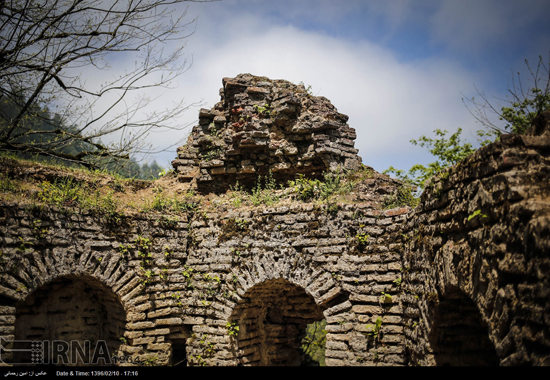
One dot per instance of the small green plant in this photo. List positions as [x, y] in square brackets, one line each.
[307, 89]
[124, 251]
[232, 328]
[142, 243]
[123, 340]
[362, 239]
[333, 184]
[7, 185]
[198, 358]
[267, 195]
[144, 255]
[374, 330]
[403, 197]
[305, 188]
[212, 153]
[102, 205]
[262, 109]
[398, 281]
[242, 224]
[164, 172]
[39, 233]
[209, 347]
[160, 202]
[386, 298]
[187, 273]
[151, 361]
[23, 246]
[209, 350]
[63, 192]
[476, 213]
[237, 195]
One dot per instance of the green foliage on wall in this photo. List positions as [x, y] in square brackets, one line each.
[313, 344]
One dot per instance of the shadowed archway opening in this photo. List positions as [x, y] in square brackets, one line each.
[458, 336]
[79, 319]
[272, 319]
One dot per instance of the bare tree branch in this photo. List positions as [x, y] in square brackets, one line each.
[523, 105]
[44, 45]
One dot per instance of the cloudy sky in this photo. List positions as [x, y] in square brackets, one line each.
[399, 69]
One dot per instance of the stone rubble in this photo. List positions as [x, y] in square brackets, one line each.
[264, 126]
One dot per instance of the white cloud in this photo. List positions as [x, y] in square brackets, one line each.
[388, 102]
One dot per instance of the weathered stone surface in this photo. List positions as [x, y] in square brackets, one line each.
[541, 125]
[261, 126]
[476, 242]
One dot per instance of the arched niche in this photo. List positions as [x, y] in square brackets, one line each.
[458, 335]
[80, 320]
[272, 318]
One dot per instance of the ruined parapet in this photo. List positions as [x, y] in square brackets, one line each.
[263, 126]
[476, 288]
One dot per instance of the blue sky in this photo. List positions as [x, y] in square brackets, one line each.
[398, 69]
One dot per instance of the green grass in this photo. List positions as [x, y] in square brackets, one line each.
[8, 185]
[336, 183]
[163, 203]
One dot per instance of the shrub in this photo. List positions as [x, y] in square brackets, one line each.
[403, 197]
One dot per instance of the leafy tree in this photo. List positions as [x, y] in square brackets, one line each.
[448, 151]
[38, 129]
[516, 116]
[44, 46]
[313, 344]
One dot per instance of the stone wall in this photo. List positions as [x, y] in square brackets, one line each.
[461, 279]
[477, 260]
[270, 271]
[265, 127]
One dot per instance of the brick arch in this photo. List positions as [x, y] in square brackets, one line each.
[39, 268]
[455, 305]
[94, 287]
[72, 308]
[466, 283]
[294, 268]
[272, 317]
[279, 298]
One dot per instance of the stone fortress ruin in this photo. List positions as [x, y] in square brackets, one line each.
[461, 279]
